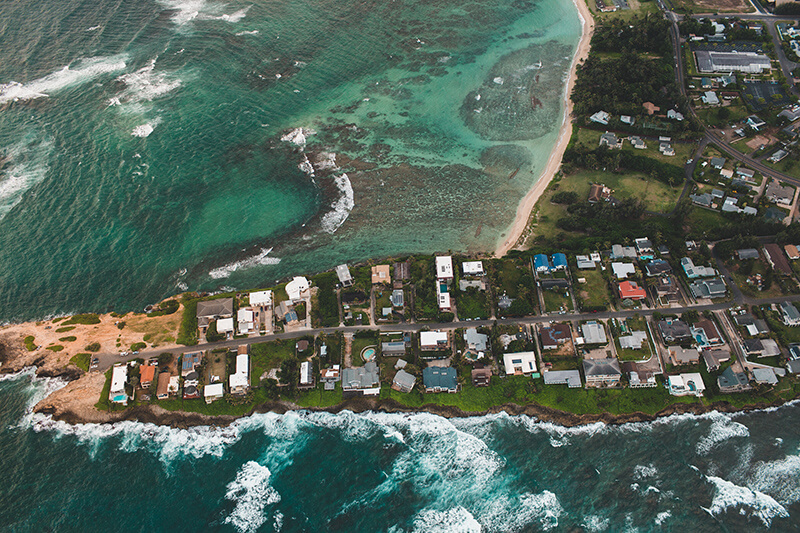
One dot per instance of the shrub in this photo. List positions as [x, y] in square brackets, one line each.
[212, 335]
[29, 344]
[165, 358]
[564, 197]
[93, 347]
[68, 339]
[65, 329]
[121, 324]
[81, 360]
[138, 346]
[165, 308]
[187, 333]
[55, 348]
[85, 319]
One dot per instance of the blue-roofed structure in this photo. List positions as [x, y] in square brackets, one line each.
[190, 362]
[559, 261]
[541, 263]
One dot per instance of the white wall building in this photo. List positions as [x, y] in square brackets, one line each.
[296, 287]
[444, 267]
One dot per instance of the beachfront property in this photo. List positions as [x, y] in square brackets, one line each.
[520, 363]
[444, 274]
[481, 377]
[213, 392]
[261, 304]
[602, 372]
[329, 377]
[570, 378]
[696, 271]
[210, 310]
[473, 268]
[440, 379]
[403, 381]
[433, 341]
[714, 357]
[119, 378]
[296, 288]
[686, 384]
[343, 273]
[381, 274]
[730, 381]
[764, 376]
[601, 117]
[147, 374]
[554, 336]
[735, 61]
[239, 381]
[162, 388]
[361, 380]
[306, 375]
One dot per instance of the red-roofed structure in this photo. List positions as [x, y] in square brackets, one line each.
[146, 375]
[630, 290]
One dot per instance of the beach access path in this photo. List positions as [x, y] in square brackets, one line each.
[554, 162]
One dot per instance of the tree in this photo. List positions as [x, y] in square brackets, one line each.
[212, 335]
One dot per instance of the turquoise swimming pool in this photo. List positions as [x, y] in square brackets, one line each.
[368, 354]
[119, 398]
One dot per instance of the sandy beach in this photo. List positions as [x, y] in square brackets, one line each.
[554, 162]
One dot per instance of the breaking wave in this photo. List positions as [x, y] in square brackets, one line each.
[189, 10]
[146, 84]
[730, 496]
[27, 164]
[262, 258]
[146, 129]
[252, 493]
[340, 209]
[722, 429]
[79, 72]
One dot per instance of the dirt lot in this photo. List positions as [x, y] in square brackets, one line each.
[715, 6]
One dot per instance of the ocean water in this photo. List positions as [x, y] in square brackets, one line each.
[397, 472]
[155, 146]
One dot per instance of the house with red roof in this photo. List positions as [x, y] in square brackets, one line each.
[630, 290]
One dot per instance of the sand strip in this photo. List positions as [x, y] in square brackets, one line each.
[554, 162]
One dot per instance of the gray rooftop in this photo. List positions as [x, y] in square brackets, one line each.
[593, 333]
[601, 367]
[404, 379]
[472, 337]
[362, 377]
[765, 375]
[440, 377]
[571, 378]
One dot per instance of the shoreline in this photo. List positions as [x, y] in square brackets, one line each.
[528, 202]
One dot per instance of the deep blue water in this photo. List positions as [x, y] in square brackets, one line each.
[388, 472]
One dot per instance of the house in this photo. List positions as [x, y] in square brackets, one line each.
[343, 273]
[602, 372]
[778, 156]
[708, 332]
[286, 313]
[779, 194]
[541, 263]
[774, 214]
[686, 384]
[397, 298]
[329, 377]
[717, 162]
[627, 119]
[666, 286]
[696, 271]
[630, 290]
[793, 366]
[570, 378]
[729, 206]
[666, 149]
[361, 380]
[190, 392]
[658, 267]
[633, 341]
[710, 98]
[790, 113]
[736, 61]
[473, 268]
[162, 389]
[261, 300]
[381, 274]
[520, 363]
[119, 377]
[755, 122]
[747, 253]
[674, 115]
[402, 272]
[730, 381]
[481, 377]
[708, 288]
[239, 381]
[403, 381]
[714, 357]
[554, 336]
[210, 310]
[296, 287]
[443, 295]
[476, 342]
[598, 192]
[225, 325]
[393, 348]
[726, 173]
[593, 333]
[761, 347]
[213, 392]
[639, 378]
[776, 259]
[245, 319]
[559, 261]
[644, 248]
[601, 117]
[745, 173]
[637, 143]
[190, 362]
[623, 270]
[751, 324]
[791, 251]
[444, 268]
[610, 140]
[674, 331]
[650, 107]
[440, 379]
[432, 340]
[791, 317]
[765, 376]
[584, 263]
[684, 356]
[622, 252]
[146, 375]
[306, 375]
[705, 83]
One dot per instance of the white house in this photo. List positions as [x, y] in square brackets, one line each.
[686, 384]
[601, 117]
[472, 268]
[240, 380]
[622, 270]
[261, 299]
[245, 318]
[296, 287]
[213, 392]
[432, 340]
[444, 267]
[519, 363]
[119, 376]
[225, 325]
[305, 373]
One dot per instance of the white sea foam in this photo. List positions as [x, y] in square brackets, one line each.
[261, 258]
[730, 496]
[146, 129]
[340, 209]
[778, 478]
[298, 136]
[506, 513]
[721, 430]
[79, 72]
[252, 493]
[641, 472]
[595, 524]
[146, 84]
[251, 32]
[189, 10]
[455, 520]
[306, 167]
[662, 517]
[26, 165]
[326, 161]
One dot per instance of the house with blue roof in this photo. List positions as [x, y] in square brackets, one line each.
[541, 263]
[559, 261]
[440, 379]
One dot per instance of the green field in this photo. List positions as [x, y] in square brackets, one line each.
[593, 293]
[472, 303]
[556, 300]
[267, 355]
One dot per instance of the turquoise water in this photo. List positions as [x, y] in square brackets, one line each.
[398, 472]
[142, 141]
[369, 354]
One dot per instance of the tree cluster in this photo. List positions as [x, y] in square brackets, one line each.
[647, 34]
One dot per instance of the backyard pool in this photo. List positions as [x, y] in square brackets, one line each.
[368, 354]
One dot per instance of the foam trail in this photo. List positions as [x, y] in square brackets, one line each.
[252, 493]
[340, 209]
[729, 495]
[146, 84]
[80, 72]
[27, 165]
[456, 520]
[262, 258]
[189, 10]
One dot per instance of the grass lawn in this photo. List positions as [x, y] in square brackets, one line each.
[785, 334]
[157, 330]
[359, 343]
[594, 292]
[472, 304]
[382, 299]
[751, 290]
[736, 113]
[789, 165]
[266, 355]
[557, 300]
[215, 365]
[81, 360]
[509, 271]
[700, 220]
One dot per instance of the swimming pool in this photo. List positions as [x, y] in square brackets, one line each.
[368, 354]
[120, 398]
